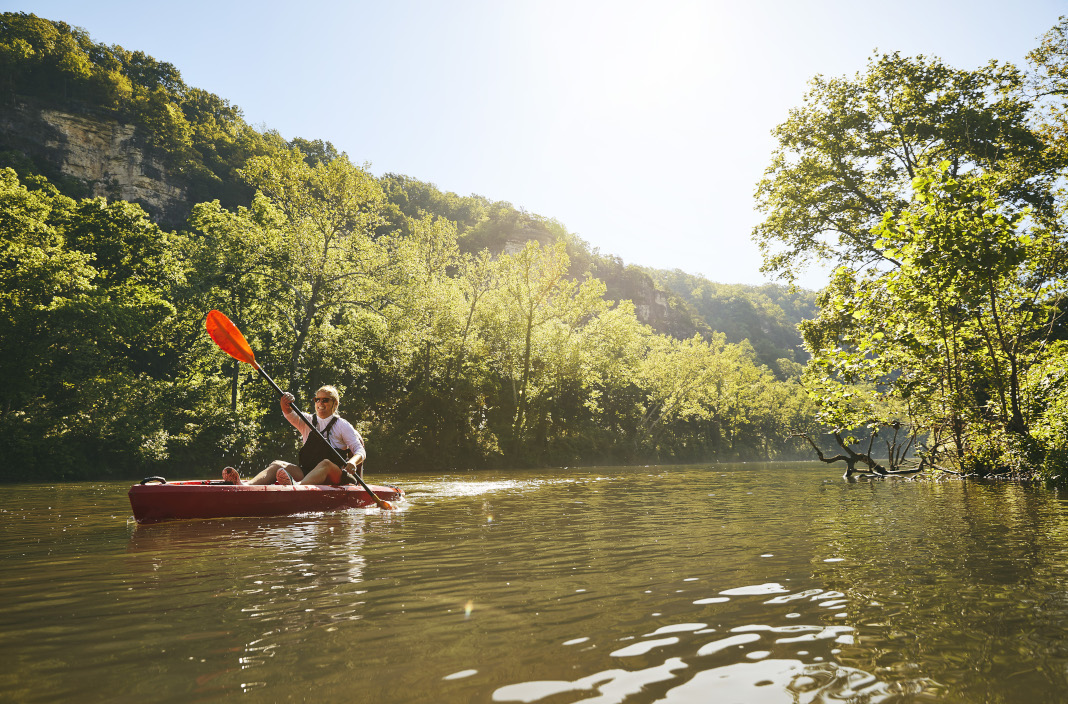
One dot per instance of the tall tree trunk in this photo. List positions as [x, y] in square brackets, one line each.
[521, 402]
[1016, 421]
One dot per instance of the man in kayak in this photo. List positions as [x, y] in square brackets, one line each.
[317, 462]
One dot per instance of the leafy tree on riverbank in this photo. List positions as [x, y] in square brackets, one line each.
[88, 334]
[934, 193]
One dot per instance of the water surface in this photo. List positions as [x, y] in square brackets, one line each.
[746, 584]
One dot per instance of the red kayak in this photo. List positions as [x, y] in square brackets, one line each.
[156, 499]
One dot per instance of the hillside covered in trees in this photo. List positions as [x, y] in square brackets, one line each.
[461, 332]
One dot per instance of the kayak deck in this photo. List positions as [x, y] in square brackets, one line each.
[152, 503]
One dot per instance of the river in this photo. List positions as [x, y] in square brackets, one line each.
[746, 584]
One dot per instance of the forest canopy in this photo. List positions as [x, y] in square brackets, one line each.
[461, 332]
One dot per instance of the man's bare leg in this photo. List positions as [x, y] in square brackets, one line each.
[268, 475]
[326, 472]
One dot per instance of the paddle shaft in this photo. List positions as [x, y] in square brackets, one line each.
[311, 426]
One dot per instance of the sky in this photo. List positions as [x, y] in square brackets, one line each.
[642, 126]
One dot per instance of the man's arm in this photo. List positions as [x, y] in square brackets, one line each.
[354, 443]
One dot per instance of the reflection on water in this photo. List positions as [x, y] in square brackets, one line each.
[765, 682]
[744, 663]
[686, 584]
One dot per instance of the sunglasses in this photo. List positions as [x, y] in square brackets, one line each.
[324, 399]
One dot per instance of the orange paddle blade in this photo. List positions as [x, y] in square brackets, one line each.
[229, 338]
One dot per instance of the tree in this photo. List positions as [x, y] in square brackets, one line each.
[675, 376]
[87, 323]
[932, 191]
[232, 256]
[1049, 84]
[328, 258]
[948, 336]
[848, 155]
[425, 412]
[40, 280]
[531, 279]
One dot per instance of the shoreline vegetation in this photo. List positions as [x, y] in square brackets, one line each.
[469, 333]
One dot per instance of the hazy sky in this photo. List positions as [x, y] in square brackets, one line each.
[642, 126]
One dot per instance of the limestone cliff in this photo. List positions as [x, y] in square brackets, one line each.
[102, 153]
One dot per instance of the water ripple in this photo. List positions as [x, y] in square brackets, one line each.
[607, 585]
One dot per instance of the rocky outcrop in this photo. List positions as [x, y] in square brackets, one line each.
[516, 241]
[654, 306]
[651, 306]
[103, 154]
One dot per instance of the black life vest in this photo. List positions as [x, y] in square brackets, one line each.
[316, 449]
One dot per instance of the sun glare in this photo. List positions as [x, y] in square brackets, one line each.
[606, 60]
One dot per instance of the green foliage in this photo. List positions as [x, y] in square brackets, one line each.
[87, 329]
[461, 332]
[444, 359]
[767, 316]
[847, 156]
[326, 259]
[933, 194]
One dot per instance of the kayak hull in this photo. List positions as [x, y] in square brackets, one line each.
[152, 503]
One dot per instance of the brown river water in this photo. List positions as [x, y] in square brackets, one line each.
[732, 584]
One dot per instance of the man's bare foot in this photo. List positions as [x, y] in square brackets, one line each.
[282, 477]
[230, 476]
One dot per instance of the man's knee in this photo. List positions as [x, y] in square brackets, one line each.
[294, 471]
[327, 472]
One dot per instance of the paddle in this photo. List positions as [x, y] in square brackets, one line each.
[232, 342]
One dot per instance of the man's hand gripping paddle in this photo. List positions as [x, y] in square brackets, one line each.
[232, 342]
